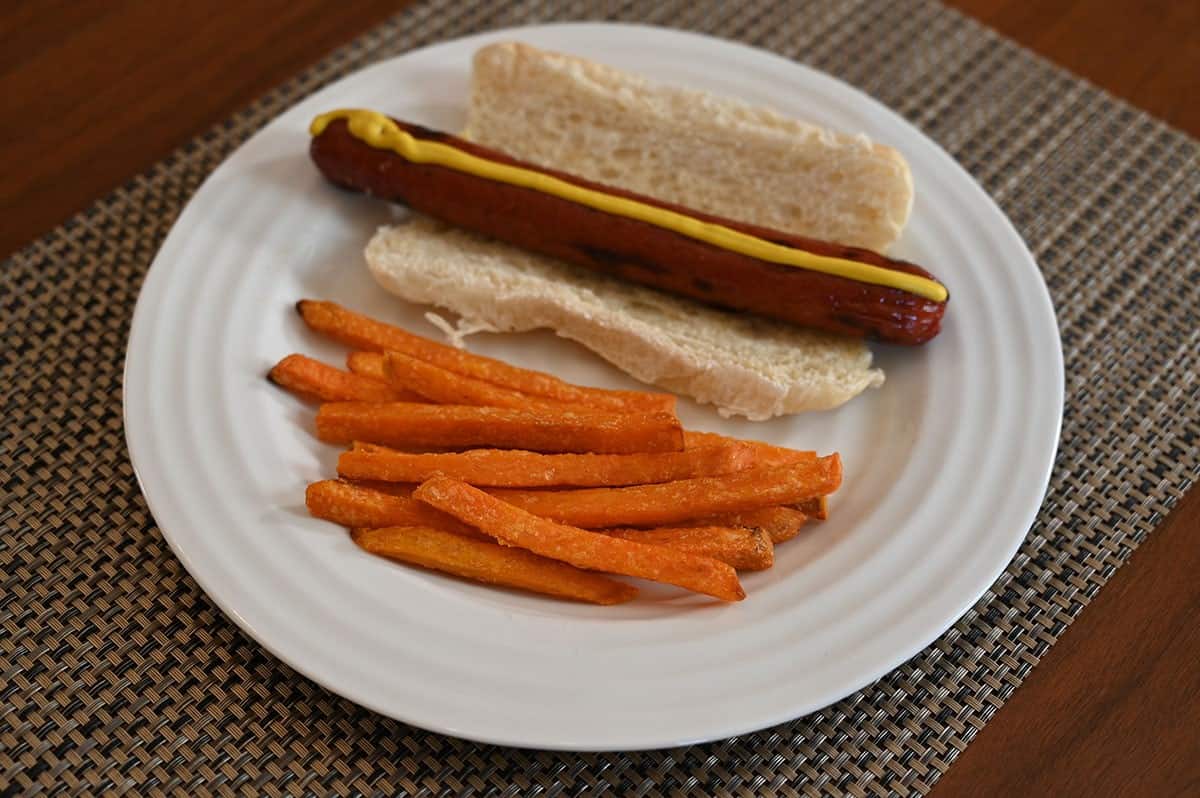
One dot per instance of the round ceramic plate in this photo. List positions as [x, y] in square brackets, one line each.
[945, 465]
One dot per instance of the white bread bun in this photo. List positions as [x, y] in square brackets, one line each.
[711, 154]
[744, 365]
[699, 151]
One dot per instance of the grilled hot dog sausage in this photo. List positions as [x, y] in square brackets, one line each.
[629, 248]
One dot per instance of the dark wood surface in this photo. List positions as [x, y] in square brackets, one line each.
[1114, 708]
[95, 91]
[1144, 51]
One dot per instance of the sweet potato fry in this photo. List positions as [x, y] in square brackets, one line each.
[765, 454]
[522, 469]
[744, 548]
[817, 507]
[738, 544]
[313, 379]
[402, 489]
[368, 364]
[780, 524]
[361, 332]
[436, 384]
[673, 502]
[489, 562]
[358, 506]
[407, 426]
[579, 547]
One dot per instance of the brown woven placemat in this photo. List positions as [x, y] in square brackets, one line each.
[117, 673]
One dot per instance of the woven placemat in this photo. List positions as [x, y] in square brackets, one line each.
[118, 673]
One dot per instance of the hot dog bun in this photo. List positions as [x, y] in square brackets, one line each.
[744, 365]
[711, 154]
[596, 122]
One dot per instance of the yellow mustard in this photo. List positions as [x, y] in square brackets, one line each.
[378, 131]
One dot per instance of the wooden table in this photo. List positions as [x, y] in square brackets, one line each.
[95, 91]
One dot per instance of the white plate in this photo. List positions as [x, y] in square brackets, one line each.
[946, 465]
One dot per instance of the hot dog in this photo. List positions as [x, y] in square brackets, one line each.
[841, 289]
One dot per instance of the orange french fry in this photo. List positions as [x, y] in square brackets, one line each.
[489, 562]
[357, 506]
[362, 332]
[436, 384]
[780, 524]
[816, 507]
[406, 425]
[368, 364]
[523, 469]
[313, 379]
[579, 547]
[744, 548]
[402, 489]
[765, 454]
[672, 502]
